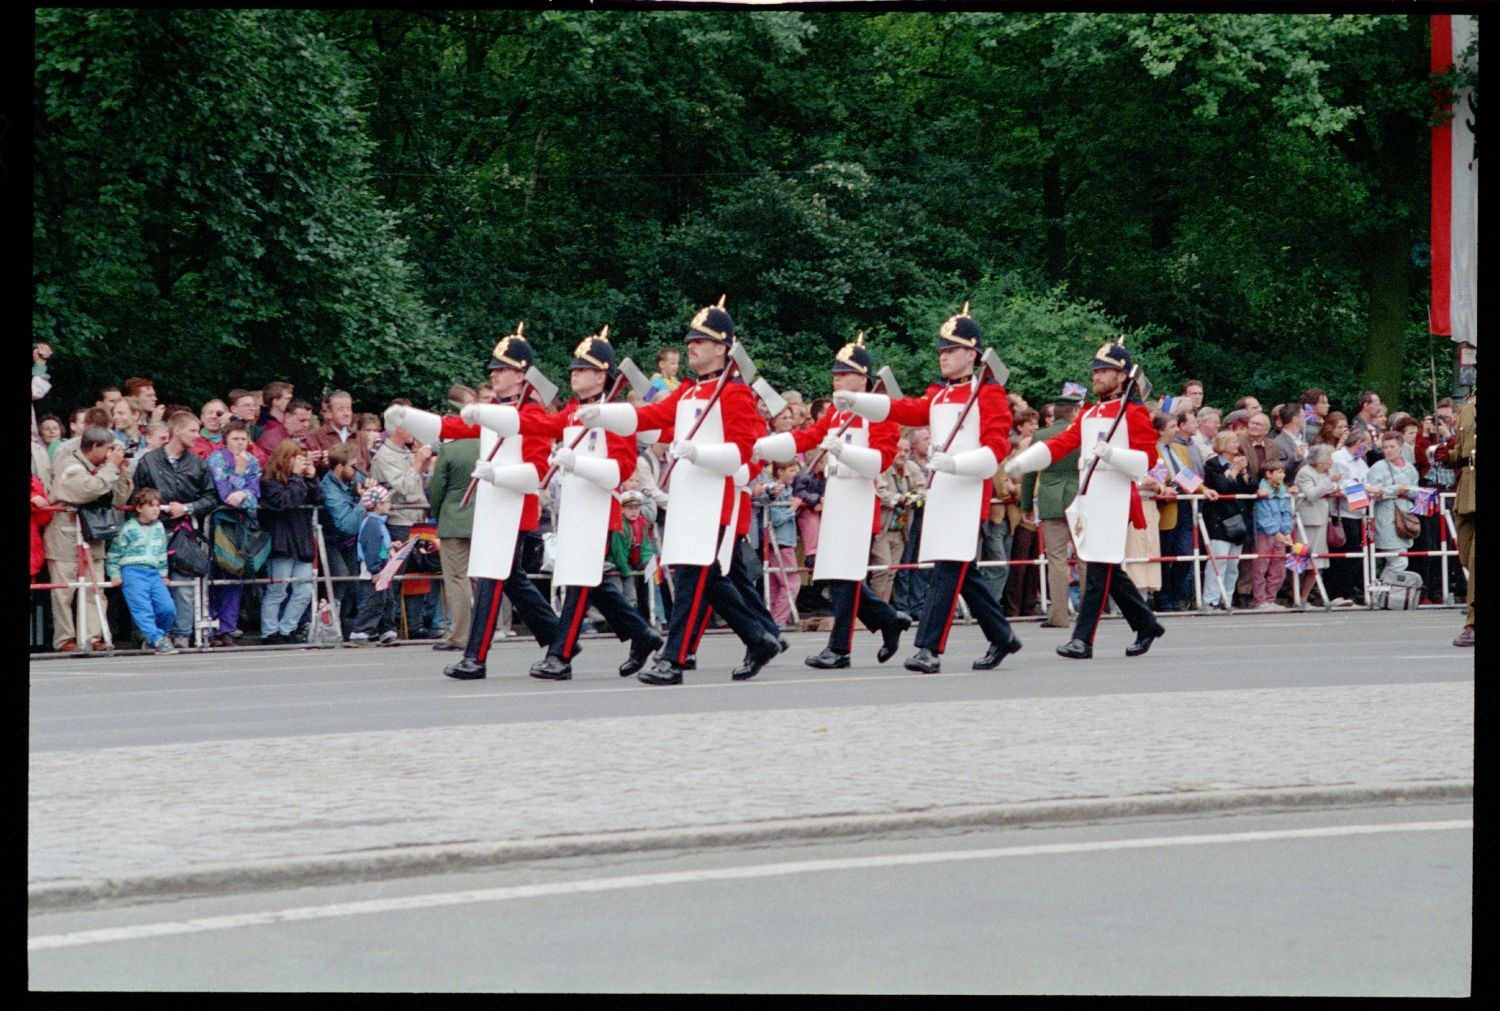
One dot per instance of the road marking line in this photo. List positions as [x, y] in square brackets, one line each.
[431, 901]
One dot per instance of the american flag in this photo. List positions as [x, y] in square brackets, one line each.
[1188, 481]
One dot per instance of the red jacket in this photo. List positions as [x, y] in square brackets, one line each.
[39, 519]
[884, 435]
[994, 416]
[1139, 430]
[620, 448]
[534, 450]
[742, 423]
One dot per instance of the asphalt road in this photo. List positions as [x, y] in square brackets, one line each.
[1356, 901]
[243, 694]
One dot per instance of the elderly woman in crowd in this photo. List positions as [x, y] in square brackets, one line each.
[1396, 478]
[1315, 485]
[1346, 576]
[289, 484]
[1228, 519]
[236, 475]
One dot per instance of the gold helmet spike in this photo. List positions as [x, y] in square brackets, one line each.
[520, 328]
[859, 338]
[1120, 340]
[604, 334]
[721, 300]
[965, 310]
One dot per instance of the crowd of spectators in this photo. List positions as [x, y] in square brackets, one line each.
[326, 496]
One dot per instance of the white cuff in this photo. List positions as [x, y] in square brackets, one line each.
[601, 471]
[620, 419]
[742, 477]
[1033, 457]
[979, 463]
[862, 460]
[650, 437]
[776, 448]
[719, 457]
[519, 477]
[871, 406]
[426, 426]
[1130, 462]
[502, 419]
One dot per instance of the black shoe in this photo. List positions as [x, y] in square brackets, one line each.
[640, 651]
[891, 636]
[552, 668]
[664, 673]
[446, 645]
[759, 655]
[782, 645]
[998, 651]
[1144, 640]
[465, 670]
[924, 662]
[827, 660]
[274, 639]
[1076, 649]
[691, 663]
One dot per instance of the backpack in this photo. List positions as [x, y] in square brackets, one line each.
[240, 546]
[1398, 591]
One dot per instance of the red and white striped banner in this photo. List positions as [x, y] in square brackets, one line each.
[1455, 195]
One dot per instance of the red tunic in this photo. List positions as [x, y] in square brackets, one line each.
[1139, 430]
[534, 450]
[742, 422]
[993, 408]
[619, 448]
[884, 435]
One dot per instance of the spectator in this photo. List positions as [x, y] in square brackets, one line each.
[92, 417]
[1367, 413]
[1174, 519]
[781, 503]
[377, 615]
[245, 405]
[1435, 430]
[664, 380]
[41, 515]
[808, 488]
[1226, 473]
[1273, 535]
[274, 399]
[294, 422]
[211, 421]
[144, 390]
[400, 464]
[1192, 393]
[800, 413]
[1142, 546]
[1208, 428]
[157, 434]
[899, 489]
[137, 563]
[459, 396]
[187, 492]
[1187, 438]
[1346, 576]
[107, 397]
[1250, 405]
[343, 484]
[631, 548]
[1044, 497]
[995, 531]
[236, 476]
[1289, 440]
[455, 527]
[485, 394]
[1395, 477]
[339, 427]
[371, 434]
[127, 415]
[287, 487]
[921, 449]
[1022, 586]
[91, 473]
[1317, 399]
[1315, 488]
[49, 427]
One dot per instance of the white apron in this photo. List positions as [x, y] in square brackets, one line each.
[950, 518]
[497, 514]
[582, 517]
[1098, 520]
[848, 513]
[696, 495]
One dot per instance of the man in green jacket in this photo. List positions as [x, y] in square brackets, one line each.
[1048, 494]
[455, 526]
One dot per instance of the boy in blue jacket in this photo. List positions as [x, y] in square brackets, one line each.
[137, 562]
[377, 615]
[1273, 535]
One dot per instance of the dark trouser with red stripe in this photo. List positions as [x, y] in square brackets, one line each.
[850, 598]
[948, 580]
[623, 619]
[525, 600]
[696, 588]
[739, 575]
[1102, 580]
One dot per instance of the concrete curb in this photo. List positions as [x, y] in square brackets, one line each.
[438, 858]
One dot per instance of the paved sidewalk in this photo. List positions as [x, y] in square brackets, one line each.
[164, 810]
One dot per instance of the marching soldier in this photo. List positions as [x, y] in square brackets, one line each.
[1098, 517]
[587, 512]
[506, 510]
[702, 522]
[959, 496]
[850, 517]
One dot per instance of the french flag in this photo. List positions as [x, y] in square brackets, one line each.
[1455, 192]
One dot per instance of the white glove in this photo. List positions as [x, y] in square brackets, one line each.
[395, 417]
[1104, 451]
[484, 470]
[469, 414]
[943, 463]
[775, 448]
[836, 469]
[564, 459]
[843, 400]
[1012, 469]
[587, 415]
[833, 445]
[683, 451]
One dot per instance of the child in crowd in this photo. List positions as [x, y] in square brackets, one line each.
[137, 562]
[631, 548]
[1273, 535]
[781, 543]
[376, 619]
[664, 380]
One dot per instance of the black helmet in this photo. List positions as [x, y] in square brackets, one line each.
[959, 331]
[854, 358]
[513, 352]
[595, 352]
[712, 322]
[1112, 356]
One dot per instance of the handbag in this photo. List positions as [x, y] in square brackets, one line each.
[1336, 538]
[1235, 529]
[240, 546]
[99, 519]
[187, 553]
[1408, 525]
